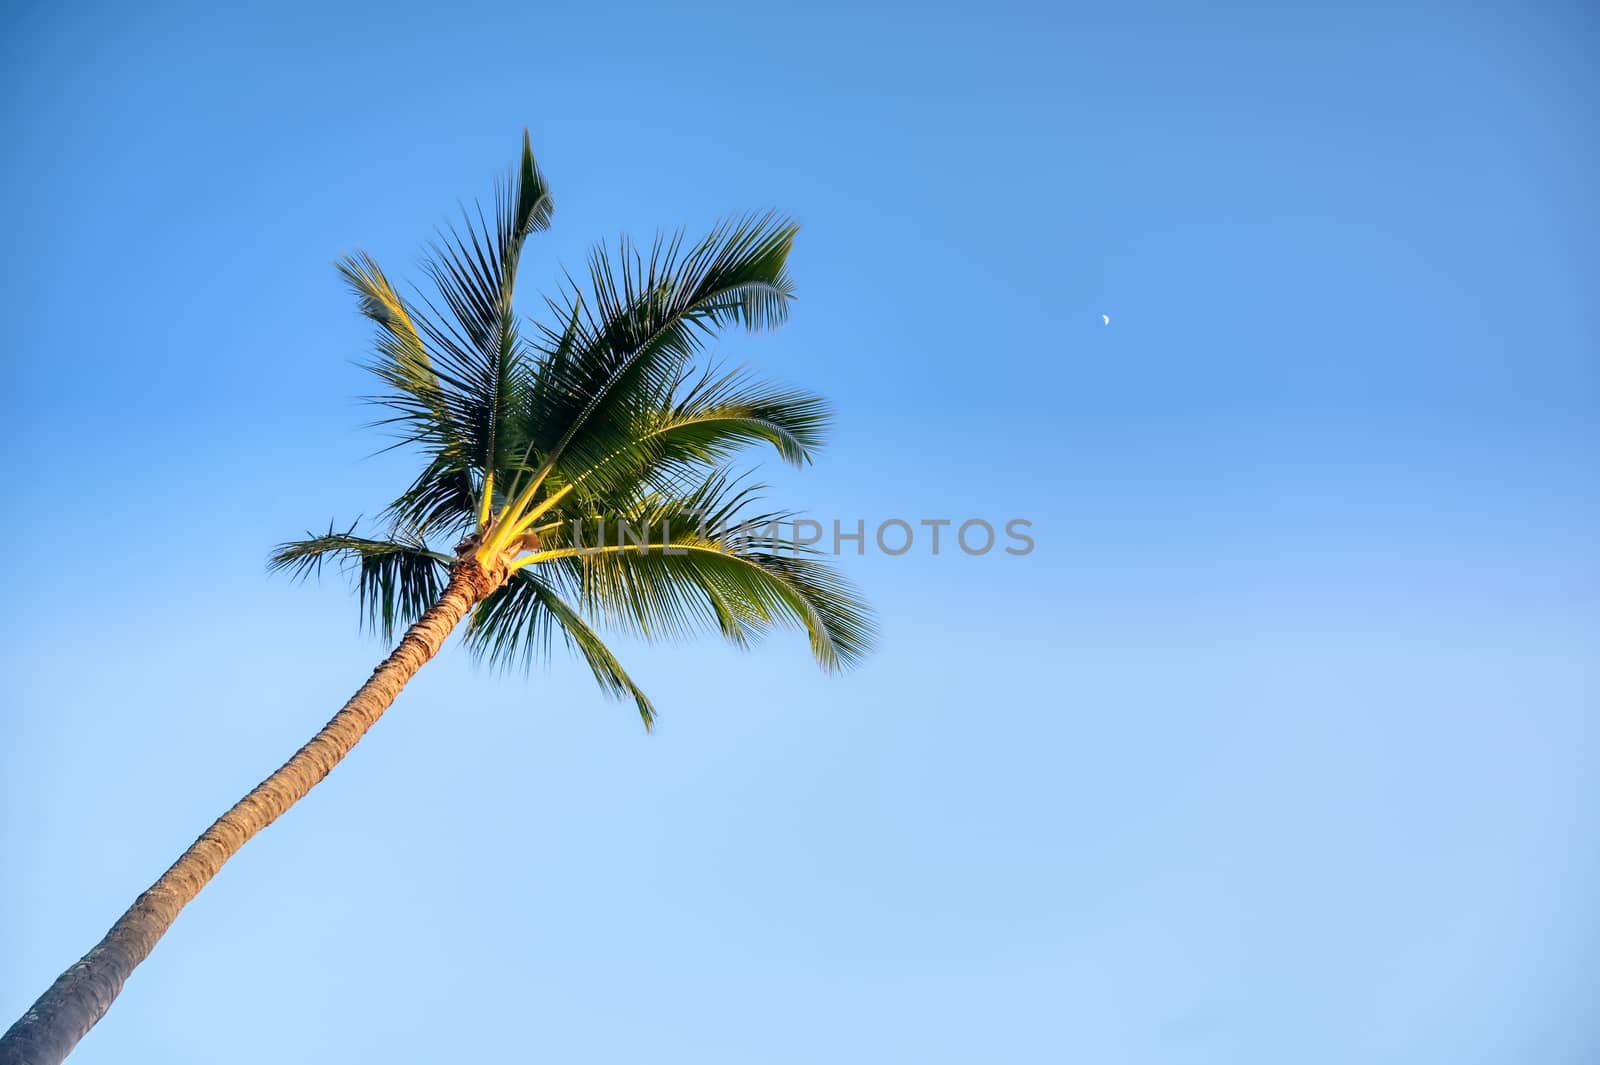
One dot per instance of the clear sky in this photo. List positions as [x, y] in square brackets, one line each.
[1282, 745]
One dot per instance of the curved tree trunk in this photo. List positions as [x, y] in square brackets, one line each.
[80, 996]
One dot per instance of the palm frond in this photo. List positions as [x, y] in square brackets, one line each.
[420, 402]
[723, 410]
[533, 206]
[441, 501]
[454, 363]
[397, 580]
[516, 623]
[643, 319]
[677, 564]
[712, 419]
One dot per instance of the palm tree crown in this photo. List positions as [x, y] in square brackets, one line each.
[583, 464]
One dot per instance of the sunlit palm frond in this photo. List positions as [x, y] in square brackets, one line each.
[709, 420]
[420, 403]
[678, 564]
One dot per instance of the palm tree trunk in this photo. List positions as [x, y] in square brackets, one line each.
[80, 996]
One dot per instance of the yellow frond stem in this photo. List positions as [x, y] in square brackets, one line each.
[488, 498]
[512, 512]
[510, 529]
[612, 549]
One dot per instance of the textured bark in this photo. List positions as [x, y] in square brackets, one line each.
[80, 996]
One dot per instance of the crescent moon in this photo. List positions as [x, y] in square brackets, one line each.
[1106, 318]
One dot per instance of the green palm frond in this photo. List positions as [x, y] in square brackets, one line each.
[532, 207]
[629, 341]
[441, 500]
[516, 624]
[455, 366]
[709, 420]
[674, 565]
[720, 408]
[421, 404]
[397, 580]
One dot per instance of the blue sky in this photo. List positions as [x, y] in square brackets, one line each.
[1281, 745]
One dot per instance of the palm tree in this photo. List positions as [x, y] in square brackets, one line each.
[579, 467]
